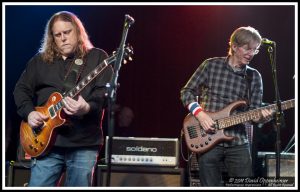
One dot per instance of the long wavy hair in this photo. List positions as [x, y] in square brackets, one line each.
[48, 48]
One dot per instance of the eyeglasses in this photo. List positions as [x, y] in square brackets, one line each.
[248, 50]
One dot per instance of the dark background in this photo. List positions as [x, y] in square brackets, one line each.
[169, 41]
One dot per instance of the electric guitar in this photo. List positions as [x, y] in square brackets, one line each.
[198, 141]
[38, 141]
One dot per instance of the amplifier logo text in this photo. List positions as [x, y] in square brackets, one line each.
[142, 149]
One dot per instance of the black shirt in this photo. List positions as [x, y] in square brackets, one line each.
[39, 80]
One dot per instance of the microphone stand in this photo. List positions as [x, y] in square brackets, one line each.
[279, 114]
[112, 92]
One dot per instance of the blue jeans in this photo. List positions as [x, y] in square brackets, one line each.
[236, 160]
[78, 163]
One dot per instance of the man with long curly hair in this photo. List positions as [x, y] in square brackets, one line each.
[65, 58]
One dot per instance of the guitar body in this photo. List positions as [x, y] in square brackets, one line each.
[38, 142]
[197, 139]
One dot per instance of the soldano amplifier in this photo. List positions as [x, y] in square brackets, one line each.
[143, 151]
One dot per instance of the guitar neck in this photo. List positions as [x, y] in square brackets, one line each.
[252, 114]
[85, 81]
[90, 77]
[93, 74]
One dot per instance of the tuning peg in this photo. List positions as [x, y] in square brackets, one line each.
[130, 58]
[124, 61]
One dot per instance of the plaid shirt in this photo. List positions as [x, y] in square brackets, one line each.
[218, 85]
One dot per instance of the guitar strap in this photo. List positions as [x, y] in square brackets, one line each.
[248, 77]
[73, 74]
[70, 80]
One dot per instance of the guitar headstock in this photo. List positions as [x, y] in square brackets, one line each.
[128, 52]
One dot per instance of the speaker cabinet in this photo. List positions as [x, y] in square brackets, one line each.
[132, 176]
[18, 174]
[287, 164]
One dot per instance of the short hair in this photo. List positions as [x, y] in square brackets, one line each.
[242, 36]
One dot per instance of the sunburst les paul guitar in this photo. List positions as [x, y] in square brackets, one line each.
[38, 141]
[198, 141]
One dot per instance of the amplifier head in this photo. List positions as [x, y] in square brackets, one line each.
[143, 151]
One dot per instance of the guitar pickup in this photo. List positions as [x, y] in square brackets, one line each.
[38, 129]
[216, 125]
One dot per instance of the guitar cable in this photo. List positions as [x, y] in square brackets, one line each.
[181, 148]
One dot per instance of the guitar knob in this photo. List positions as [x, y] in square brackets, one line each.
[192, 145]
[206, 143]
[41, 144]
[209, 138]
[196, 146]
[31, 146]
[35, 149]
[201, 145]
[36, 140]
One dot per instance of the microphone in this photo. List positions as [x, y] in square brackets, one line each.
[267, 41]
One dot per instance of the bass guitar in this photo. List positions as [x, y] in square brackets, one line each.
[198, 141]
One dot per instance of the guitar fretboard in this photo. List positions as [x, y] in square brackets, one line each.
[252, 114]
[91, 76]
[85, 81]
